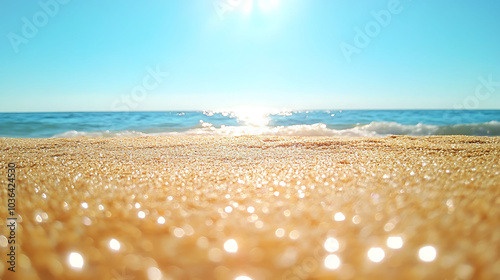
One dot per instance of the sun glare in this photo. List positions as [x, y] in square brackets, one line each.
[252, 116]
[268, 5]
[246, 6]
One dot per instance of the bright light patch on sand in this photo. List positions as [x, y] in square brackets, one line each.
[332, 262]
[395, 242]
[259, 224]
[137, 205]
[250, 209]
[228, 209]
[331, 245]
[427, 253]
[376, 254]
[242, 278]
[231, 246]
[280, 233]
[3, 241]
[356, 219]
[114, 244]
[141, 215]
[202, 242]
[179, 232]
[161, 220]
[75, 260]
[86, 221]
[188, 229]
[253, 218]
[294, 234]
[85, 205]
[215, 255]
[339, 217]
[154, 273]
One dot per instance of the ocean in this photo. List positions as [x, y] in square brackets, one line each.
[375, 123]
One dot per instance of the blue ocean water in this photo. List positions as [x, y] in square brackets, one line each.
[253, 122]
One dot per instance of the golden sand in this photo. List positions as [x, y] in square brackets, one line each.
[261, 207]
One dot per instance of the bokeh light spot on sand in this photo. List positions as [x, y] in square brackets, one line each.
[154, 273]
[86, 221]
[287, 213]
[294, 234]
[75, 260]
[202, 242]
[179, 232]
[242, 278]
[394, 242]
[427, 253]
[114, 244]
[376, 254]
[332, 262]
[161, 220]
[259, 224]
[356, 219]
[339, 216]
[3, 241]
[280, 232]
[141, 215]
[215, 254]
[231, 246]
[389, 226]
[331, 244]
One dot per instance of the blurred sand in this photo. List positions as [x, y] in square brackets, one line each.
[293, 205]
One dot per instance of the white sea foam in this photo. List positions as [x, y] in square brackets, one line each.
[106, 133]
[374, 129]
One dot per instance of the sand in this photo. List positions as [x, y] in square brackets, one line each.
[261, 207]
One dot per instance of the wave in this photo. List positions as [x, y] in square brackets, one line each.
[373, 129]
[106, 133]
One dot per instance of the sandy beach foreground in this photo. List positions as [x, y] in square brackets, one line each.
[261, 207]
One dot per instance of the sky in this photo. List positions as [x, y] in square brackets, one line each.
[68, 55]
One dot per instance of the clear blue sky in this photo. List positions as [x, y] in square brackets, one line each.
[96, 55]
